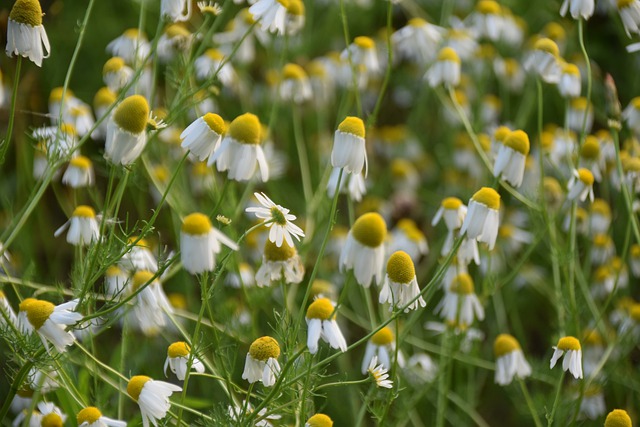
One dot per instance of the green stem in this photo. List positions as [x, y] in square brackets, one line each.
[354, 71]
[527, 397]
[444, 378]
[371, 121]
[12, 112]
[556, 401]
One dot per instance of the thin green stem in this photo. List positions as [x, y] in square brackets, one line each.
[532, 408]
[12, 112]
[556, 401]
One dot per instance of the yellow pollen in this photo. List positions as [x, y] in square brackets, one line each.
[80, 162]
[295, 8]
[401, 168]
[555, 31]
[214, 54]
[68, 128]
[200, 169]
[518, 141]
[400, 268]
[462, 284]
[364, 42]
[294, 72]
[487, 7]
[383, 337]
[38, 312]
[568, 343]
[601, 240]
[51, 420]
[83, 211]
[136, 383]
[624, 3]
[501, 133]
[451, 203]
[321, 309]
[196, 224]
[113, 271]
[370, 230]
[104, 98]
[585, 176]
[284, 3]
[282, 253]
[132, 114]
[264, 348]
[320, 420]
[591, 148]
[448, 54]
[24, 305]
[140, 278]
[417, 22]
[572, 69]
[353, 126]
[601, 207]
[505, 344]
[547, 45]
[89, 415]
[27, 12]
[177, 30]
[634, 312]
[246, 129]
[215, 123]
[618, 417]
[113, 65]
[487, 196]
[177, 301]
[132, 33]
[632, 164]
[579, 103]
[178, 349]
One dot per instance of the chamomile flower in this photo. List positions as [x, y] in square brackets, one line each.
[543, 60]
[279, 262]
[175, 10]
[381, 345]
[406, 236]
[240, 151]
[453, 211]
[631, 115]
[271, 14]
[79, 173]
[209, 7]
[25, 33]
[139, 257]
[130, 46]
[265, 416]
[116, 74]
[418, 40]
[569, 84]
[295, 85]
[6, 312]
[151, 302]
[446, 69]
[321, 323]
[572, 361]
[487, 20]
[200, 242]
[178, 355]
[92, 417]
[319, 420]
[510, 361]
[83, 227]
[175, 40]
[212, 63]
[363, 251]
[362, 52]
[50, 415]
[401, 285]
[421, 369]
[152, 396]
[261, 363]
[580, 185]
[590, 157]
[295, 17]
[349, 150]
[510, 72]
[126, 131]
[460, 304]
[50, 321]
[277, 219]
[618, 418]
[379, 374]
[578, 8]
[511, 158]
[580, 114]
[103, 99]
[203, 136]
[630, 14]
[483, 220]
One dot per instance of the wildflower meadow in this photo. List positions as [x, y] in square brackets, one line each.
[320, 212]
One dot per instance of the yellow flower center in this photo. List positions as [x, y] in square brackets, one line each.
[370, 230]
[68, 129]
[141, 243]
[214, 54]
[505, 344]
[104, 97]
[132, 33]
[489, 197]
[591, 148]
[317, 69]
[555, 31]
[178, 349]
[636, 102]
[579, 103]
[284, 3]
[602, 273]
[547, 45]
[132, 114]
[246, 129]
[572, 69]
[568, 343]
[401, 168]
[601, 240]
[177, 301]
[635, 251]
[264, 348]
[282, 253]
[624, 3]
[448, 54]
[89, 415]
[400, 268]
[140, 278]
[80, 162]
[364, 42]
[501, 133]
[511, 66]
[353, 126]
[618, 417]
[320, 420]
[25, 303]
[293, 72]
[136, 383]
[27, 12]
[383, 337]
[296, 8]
[51, 420]
[585, 176]
[200, 169]
[451, 203]
[215, 123]
[113, 271]
[462, 284]
[56, 94]
[601, 207]
[506, 231]
[177, 30]
[634, 312]
[38, 312]
[518, 141]
[84, 212]
[320, 309]
[196, 224]
[592, 337]
[487, 7]
[320, 286]
[113, 65]
[417, 22]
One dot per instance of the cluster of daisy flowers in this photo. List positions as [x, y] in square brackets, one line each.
[244, 227]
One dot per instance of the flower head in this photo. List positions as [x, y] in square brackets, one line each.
[278, 262]
[50, 321]
[177, 360]
[483, 220]
[618, 418]
[319, 420]
[200, 242]
[277, 219]
[83, 227]
[510, 360]
[512, 157]
[152, 396]
[126, 136]
[572, 361]
[25, 33]
[348, 146]
[261, 363]
[379, 374]
[401, 285]
[321, 322]
[92, 417]
[364, 250]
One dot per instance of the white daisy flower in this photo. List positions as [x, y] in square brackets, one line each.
[580, 185]
[453, 211]
[421, 368]
[25, 33]
[277, 219]
[245, 409]
[116, 74]
[483, 220]
[200, 242]
[362, 52]
[381, 346]
[487, 20]
[406, 236]
[174, 41]
[590, 157]
[631, 114]
[278, 263]
[271, 14]
[175, 10]
[512, 157]
[446, 69]
[151, 303]
[139, 257]
[379, 374]
[131, 45]
[203, 136]
[92, 417]
[60, 141]
[354, 183]
[418, 40]
[349, 146]
[570, 84]
[544, 60]
[178, 355]
[295, 85]
[401, 285]
[47, 415]
[572, 361]
[261, 363]
[510, 361]
[578, 107]
[102, 101]
[321, 323]
[126, 131]
[630, 14]
[593, 405]
[213, 63]
[460, 304]
[578, 8]
[152, 396]
[295, 17]
[50, 321]
[83, 227]
[319, 420]
[363, 251]
[79, 173]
